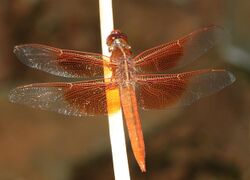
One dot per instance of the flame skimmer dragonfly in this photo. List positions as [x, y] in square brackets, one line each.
[138, 79]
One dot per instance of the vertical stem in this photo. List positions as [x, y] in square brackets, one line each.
[116, 129]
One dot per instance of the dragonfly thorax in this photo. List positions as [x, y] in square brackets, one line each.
[125, 72]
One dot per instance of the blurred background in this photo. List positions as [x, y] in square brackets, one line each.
[208, 140]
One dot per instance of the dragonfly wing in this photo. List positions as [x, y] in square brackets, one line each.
[179, 52]
[173, 90]
[79, 98]
[61, 62]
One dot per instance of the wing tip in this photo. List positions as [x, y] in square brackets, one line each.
[23, 50]
[21, 47]
[13, 95]
[19, 51]
[216, 31]
[232, 77]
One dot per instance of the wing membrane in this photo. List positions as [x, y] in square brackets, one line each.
[180, 52]
[60, 62]
[173, 90]
[79, 98]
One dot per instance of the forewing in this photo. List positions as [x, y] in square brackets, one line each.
[79, 98]
[173, 90]
[61, 62]
[179, 52]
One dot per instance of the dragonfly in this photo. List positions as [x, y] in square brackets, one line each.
[142, 80]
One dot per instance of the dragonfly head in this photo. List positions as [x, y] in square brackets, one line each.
[117, 39]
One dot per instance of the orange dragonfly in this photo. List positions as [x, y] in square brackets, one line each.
[138, 79]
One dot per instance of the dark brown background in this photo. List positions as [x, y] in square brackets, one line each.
[206, 141]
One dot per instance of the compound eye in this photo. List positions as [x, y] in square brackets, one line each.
[110, 39]
[124, 37]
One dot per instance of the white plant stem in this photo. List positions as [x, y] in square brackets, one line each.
[116, 129]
